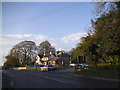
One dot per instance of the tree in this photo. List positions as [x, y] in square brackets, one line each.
[107, 32]
[105, 7]
[45, 47]
[104, 41]
[24, 51]
[11, 62]
[87, 48]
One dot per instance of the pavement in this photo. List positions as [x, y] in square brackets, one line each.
[72, 70]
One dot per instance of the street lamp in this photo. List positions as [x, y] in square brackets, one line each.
[70, 58]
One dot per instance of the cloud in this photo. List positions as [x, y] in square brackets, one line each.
[7, 39]
[17, 36]
[73, 37]
[64, 43]
[40, 37]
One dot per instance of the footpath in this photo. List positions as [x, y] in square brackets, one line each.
[88, 75]
[100, 77]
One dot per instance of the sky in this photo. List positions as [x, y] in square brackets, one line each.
[61, 23]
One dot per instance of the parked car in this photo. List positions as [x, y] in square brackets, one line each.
[31, 67]
[38, 67]
[44, 68]
[51, 67]
[72, 65]
[80, 67]
[85, 66]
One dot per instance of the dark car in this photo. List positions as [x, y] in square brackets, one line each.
[39, 65]
[50, 67]
[80, 67]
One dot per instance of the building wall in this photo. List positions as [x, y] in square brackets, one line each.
[65, 60]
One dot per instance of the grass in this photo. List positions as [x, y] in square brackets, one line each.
[106, 71]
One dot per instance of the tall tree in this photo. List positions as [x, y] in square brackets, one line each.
[45, 47]
[105, 7]
[107, 32]
[24, 50]
[104, 42]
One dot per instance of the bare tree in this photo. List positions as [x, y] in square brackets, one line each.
[24, 51]
[45, 47]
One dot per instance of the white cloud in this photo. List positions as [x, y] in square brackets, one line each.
[65, 43]
[73, 37]
[8, 41]
[18, 36]
[40, 37]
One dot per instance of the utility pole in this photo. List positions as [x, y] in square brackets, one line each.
[78, 59]
[70, 58]
[44, 51]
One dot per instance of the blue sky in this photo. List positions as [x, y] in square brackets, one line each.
[61, 23]
[51, 19]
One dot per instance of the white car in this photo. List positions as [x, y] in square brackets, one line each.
[72, 65]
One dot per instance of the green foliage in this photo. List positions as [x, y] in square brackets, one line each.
[103, 44]
[107, 32]
[11, 62]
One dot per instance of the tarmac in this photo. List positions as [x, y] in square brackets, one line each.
[8, 83]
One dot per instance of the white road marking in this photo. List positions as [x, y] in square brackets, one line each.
[49, 78]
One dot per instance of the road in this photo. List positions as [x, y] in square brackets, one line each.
[63, 78]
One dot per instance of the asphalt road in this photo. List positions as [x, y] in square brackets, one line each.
[55, 79]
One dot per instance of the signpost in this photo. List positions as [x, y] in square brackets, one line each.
[80, 59]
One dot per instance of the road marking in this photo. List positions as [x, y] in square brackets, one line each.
[55, 79]
[76, 75]
[49, 78]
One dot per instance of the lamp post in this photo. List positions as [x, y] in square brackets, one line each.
[70, 58]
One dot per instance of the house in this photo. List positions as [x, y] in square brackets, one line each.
[59, 59]
[65, 58]
[54, 61]
[38, 60]
[43, 59]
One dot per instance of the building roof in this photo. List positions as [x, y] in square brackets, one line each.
[54, 59]
[64, 55]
